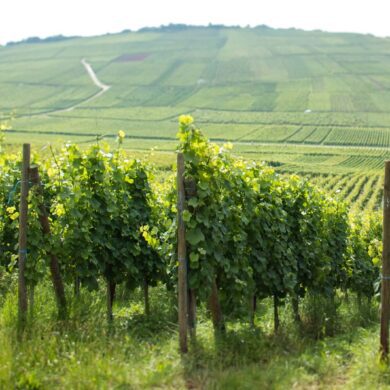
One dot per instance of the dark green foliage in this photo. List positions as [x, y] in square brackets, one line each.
[250, 229]
[102, 217]
[256, 232]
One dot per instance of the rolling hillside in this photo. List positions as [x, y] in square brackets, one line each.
[324, 95]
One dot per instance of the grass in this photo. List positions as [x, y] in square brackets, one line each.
[142, 352]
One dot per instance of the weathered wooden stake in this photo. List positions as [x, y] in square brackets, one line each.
[215, 309]
[56, 278]
[253, 307]
[190, 192]
[385, 292]
[23, 215]
[276, 314]
[295, 306]
[111, 287]
[192, 313]
[181, 255]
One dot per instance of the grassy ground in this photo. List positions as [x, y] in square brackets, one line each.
[140, 352]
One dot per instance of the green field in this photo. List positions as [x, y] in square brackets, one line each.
[306, 102]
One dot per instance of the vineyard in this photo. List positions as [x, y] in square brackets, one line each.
[244, 85]
[156, 258]
[248, 240]
[361, 192]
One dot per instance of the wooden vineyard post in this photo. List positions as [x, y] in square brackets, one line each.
[385, 291]
[215, 309]
[56, 278]
[192, 313]
[111, 288]
[181, 255]
[252, 307]
[295, 306]
[23, 215]
[190, 192]
[276, 314]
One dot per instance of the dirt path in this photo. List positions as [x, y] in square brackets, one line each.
[93, 76]
[103, 88]
[91, 73]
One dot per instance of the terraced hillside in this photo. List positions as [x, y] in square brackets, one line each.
[323, 97]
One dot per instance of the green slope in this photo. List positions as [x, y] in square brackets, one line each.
[243, 85]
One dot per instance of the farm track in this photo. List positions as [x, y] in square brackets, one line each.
[91, 73]
[112, 118]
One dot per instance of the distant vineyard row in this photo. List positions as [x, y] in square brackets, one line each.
[362, 192]
[239, 133]
[306, 134]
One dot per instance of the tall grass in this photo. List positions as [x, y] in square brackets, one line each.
[140, 352]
